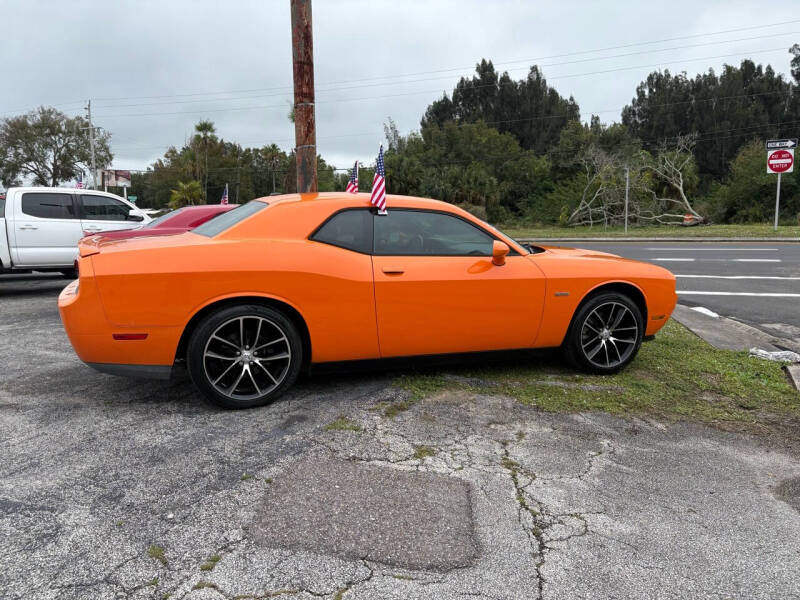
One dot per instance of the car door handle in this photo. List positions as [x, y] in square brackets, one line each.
[92, 228]
[393, 270]
[28, 227]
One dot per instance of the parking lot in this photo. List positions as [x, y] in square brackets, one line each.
[115, 488]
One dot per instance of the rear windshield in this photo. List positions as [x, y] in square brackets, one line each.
[163, 218]
[227, 220]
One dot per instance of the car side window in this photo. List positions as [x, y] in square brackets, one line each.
[102, 208]
[349, 229]
[48, 205]
[426, 233]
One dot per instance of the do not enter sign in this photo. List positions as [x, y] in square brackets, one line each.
[780, 161]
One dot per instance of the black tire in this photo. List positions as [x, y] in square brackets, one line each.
[245, 341]
[591, 343]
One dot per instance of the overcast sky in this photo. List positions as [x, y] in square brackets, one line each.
[153, 69]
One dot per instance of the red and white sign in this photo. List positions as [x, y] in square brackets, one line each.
[780, 161]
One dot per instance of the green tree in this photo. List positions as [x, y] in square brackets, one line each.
[49, 147]
[795, 52]
[186, 194]
[204, 136]
[726, 111]
[748, 194]
[530, 110]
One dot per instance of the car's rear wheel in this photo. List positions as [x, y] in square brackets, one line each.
[244, 356]
[605, 334]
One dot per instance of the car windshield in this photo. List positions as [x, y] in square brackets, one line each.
[162, 218]
[528, 247]
[228, 219]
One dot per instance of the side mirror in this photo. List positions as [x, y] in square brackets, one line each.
[499, 251]
[135, 215]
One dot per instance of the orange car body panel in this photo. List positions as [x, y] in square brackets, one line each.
[352, 308]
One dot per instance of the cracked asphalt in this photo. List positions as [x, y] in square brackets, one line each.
[115, 488]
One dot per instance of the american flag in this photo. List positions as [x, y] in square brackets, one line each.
[352, 185]
[224, 195]
[378, 197]
[79, 185]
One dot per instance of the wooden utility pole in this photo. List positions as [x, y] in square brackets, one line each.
[303, 71]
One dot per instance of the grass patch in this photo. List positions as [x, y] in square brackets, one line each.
[157, 552]
[342, 423]
[210, 563]
[153, 582]
[422, 452]
[340, 594]
[676, 376]
[246, 476]
[701, 231]
[201, 585]
[417, 388]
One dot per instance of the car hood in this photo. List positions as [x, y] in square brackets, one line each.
[578, 252]
[578, 262]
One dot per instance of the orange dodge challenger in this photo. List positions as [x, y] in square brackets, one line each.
[254, 295]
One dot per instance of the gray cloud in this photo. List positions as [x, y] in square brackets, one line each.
[150, 67]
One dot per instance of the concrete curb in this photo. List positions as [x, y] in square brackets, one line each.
[724, 333]
[729, 334]
[793, 371]
[692, 240]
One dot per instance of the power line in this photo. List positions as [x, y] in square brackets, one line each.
[452, 69]
[527, 60]
[419, 92]
[506, 121]
[350, 87]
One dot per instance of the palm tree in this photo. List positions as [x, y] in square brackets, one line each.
[203, 131]
[188, 193]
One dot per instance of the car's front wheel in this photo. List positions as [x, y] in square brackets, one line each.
[605, 334]
[244, 356]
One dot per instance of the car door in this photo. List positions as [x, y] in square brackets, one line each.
[46, 229]
[342, 305]
[104, 213]
[437, 290]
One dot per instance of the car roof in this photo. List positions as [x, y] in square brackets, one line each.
[361, 199]
[328, 202]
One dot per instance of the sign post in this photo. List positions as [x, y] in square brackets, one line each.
[780, 159]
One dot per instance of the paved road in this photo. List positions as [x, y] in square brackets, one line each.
[758, 283]
[113, 488]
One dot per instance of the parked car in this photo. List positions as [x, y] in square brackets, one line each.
[40, 227]
[177, 221]
[251, 297]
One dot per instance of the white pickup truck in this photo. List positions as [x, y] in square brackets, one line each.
[40, 227]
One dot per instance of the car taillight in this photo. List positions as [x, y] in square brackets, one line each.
[129, 336]
[71, 289]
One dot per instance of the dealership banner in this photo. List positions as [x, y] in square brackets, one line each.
[116, 178]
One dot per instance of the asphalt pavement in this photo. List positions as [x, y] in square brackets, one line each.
[113, 488]
[758, 283]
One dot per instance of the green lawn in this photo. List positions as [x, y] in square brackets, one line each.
[701, 231]
[675, 376]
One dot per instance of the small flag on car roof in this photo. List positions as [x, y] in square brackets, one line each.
[79, 184]
[224, 195]
[352, 184]
[378, 197]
